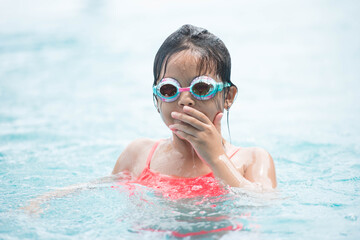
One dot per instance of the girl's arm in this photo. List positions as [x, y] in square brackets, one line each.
[259, 174]
[125, 164]
[261, 169]
[205, 137]
[34, 205]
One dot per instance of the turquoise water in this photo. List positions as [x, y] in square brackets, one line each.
[75, 89]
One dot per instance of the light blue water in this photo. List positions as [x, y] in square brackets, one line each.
[75, 89]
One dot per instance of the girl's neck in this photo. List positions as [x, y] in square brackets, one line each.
[189, 163]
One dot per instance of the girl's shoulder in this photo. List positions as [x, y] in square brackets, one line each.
[134, 156]
[259, 154]
[256, 165]
[249, 155]
[139, 144]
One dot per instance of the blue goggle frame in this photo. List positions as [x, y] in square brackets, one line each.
[173, 88]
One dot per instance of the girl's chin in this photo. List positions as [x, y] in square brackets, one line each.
[177, 136]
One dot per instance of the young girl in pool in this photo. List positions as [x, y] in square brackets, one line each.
[192, 88]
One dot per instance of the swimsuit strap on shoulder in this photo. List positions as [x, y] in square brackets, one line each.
[151, 153]
[234, 153]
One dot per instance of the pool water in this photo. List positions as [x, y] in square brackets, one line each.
[75, 89]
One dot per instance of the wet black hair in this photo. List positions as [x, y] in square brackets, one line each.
[213, 54]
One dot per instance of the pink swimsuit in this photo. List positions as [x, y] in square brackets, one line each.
[180, 188]
[177, 187]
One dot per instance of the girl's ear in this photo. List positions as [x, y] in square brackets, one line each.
[230, 97]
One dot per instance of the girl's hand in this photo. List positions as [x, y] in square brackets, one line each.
[33, 208]
[204, 135]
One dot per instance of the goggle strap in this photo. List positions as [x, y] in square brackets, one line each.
[220, 86]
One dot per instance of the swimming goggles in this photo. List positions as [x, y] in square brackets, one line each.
[202, 88]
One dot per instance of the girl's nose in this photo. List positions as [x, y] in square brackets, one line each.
[185, 99]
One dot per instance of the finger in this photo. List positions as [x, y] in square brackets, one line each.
[217, 121]
[183, 135]
[190, 120]
[184, 128]
[196, 114]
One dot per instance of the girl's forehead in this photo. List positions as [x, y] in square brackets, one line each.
[186, 65]
[183, 59]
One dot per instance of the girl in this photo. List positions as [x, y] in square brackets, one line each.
[192, 87]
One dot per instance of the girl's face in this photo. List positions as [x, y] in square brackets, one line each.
[183, 67]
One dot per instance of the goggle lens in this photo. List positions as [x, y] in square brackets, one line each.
[202, 88]
[168, 90]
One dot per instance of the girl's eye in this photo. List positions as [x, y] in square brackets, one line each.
[168, 90]
[202, 88]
